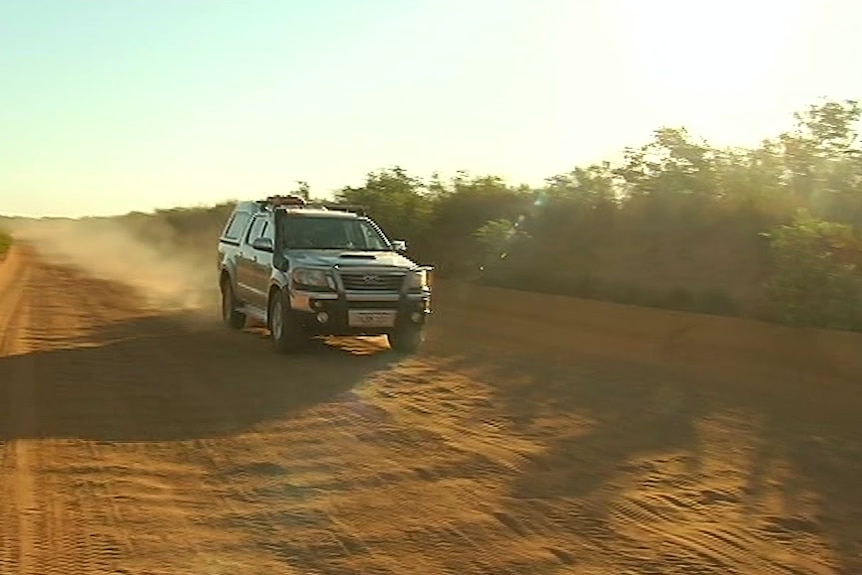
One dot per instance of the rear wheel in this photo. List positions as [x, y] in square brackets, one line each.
[287, 335]
[229, 314]
[406, 339]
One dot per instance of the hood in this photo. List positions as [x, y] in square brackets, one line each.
[345, 258]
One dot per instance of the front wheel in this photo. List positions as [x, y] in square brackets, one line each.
[406, 339]
[286, 333]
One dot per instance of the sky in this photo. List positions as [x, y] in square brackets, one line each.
[109, 106]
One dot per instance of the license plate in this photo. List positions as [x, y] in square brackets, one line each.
[371, 318]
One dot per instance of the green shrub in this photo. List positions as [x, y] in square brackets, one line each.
[716, 301]
[681, 298]
[810, 283]
[5, 243]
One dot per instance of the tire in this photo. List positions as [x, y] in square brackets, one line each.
[229, 314]
[286, 333]
[406, 339]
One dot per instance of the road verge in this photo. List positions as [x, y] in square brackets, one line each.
[668, 335]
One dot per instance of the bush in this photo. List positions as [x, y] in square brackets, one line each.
[814, 281]
[716, 301]
[5, 243]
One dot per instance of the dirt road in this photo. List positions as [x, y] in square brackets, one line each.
[139, 441]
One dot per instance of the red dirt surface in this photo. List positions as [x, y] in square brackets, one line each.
[532, 435]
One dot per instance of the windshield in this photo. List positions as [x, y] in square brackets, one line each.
[331, 233]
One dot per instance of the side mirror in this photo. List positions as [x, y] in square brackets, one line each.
[399, 245]
[262, 244]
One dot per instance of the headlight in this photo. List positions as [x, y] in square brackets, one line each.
[312, 278]
[417, 280]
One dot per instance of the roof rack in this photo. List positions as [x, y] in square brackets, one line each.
[278, 201]
[294, 201]
[353, 208]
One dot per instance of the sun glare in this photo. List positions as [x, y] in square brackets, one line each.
[699, 58]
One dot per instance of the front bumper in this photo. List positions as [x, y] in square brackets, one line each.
[327, 313]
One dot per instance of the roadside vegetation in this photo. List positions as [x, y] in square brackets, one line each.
[771, 232]
[5, 243]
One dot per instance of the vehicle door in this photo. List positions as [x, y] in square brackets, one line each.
[260, 267]
[246, 262]
[230, 246]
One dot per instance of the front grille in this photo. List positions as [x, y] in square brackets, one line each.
[371, 281]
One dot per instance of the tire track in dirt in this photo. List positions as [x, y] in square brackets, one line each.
[17, 536]
[116, 501]
[167, 444]
[52, 536]
[80, 535]
[712, 545]
[694, 510]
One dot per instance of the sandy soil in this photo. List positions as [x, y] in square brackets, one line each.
[137, 440]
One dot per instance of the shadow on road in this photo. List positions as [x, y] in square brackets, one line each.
[788, 456]
[175, 377]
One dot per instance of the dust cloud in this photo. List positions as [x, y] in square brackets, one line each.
[166, 275]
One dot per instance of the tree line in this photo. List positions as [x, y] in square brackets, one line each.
[769, 232]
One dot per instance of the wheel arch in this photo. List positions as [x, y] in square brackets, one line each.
[274, 288]
[225, 276]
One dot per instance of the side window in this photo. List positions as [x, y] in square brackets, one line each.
[268, 231]
[236, 226]
[256, 229]
[228, 225]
